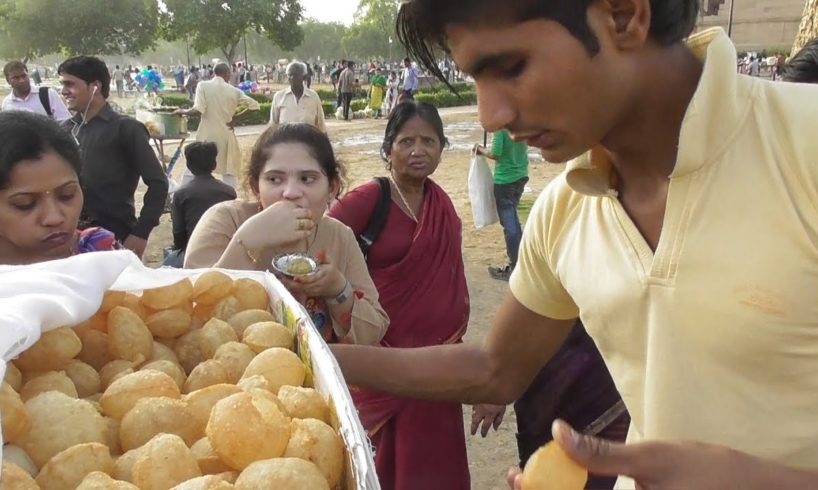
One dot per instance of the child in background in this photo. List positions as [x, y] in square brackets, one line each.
[191, 200]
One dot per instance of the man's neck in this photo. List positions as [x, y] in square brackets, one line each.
[20, 95]
[644, 145]
[97, 104]
[297, 91]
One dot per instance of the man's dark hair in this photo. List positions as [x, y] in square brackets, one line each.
[13, 66]
[117, 67]
[201, 157]
[28, 136]
[421, 24]
[222, 69]
[90, 69]
[803, 67]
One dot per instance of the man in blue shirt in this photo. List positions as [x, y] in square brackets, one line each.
[410, 78]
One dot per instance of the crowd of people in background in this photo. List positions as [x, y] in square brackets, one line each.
[386, 83]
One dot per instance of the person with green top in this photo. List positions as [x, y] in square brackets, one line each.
[510, 178]
[377, 91]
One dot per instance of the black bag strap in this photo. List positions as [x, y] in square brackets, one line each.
[378, 218]
[46, 101]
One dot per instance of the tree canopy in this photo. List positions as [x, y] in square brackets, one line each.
[221, 24]
[372, 30]
[36, 27]
[272, 29]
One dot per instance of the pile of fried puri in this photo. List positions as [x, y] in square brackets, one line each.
[192, 386]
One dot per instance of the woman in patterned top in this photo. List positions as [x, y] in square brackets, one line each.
[40, 194]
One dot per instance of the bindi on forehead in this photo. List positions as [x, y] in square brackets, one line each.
[15, 191]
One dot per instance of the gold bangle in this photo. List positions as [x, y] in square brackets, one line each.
[251, 254]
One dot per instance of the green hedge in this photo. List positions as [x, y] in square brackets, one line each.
[459, 87]
[448, 99]
[260, 98]
[176, 100]
[249, 118]
[326, 95]
[182, 100]
[330, 108]
[329, 95]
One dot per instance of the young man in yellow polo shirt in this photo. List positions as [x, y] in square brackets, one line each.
[684, 233]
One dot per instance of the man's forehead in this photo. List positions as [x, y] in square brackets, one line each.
[469, 43]
[68, 79]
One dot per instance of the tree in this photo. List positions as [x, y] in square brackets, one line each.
[372, 29]
[221, 24]
[38, 27]
[321, 39]
[809, 26]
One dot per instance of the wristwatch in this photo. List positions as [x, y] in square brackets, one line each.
[342, 297]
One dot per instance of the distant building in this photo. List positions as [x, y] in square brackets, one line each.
[757, 24]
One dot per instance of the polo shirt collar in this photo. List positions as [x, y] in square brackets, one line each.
[31, 93]
[712, 119]
[105, 114]
[289, 90]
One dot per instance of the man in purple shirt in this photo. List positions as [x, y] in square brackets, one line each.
[410, 78]
[44, 101]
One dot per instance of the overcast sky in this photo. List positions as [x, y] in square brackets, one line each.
[330, 10]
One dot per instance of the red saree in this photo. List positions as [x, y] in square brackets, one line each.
[418, 444]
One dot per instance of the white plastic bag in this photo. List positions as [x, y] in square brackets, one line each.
[481, 192]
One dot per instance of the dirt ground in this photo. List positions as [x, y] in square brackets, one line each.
[356, 144]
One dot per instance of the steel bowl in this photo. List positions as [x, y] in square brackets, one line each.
[295, 264]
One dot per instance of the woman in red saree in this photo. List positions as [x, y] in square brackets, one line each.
[417, 266]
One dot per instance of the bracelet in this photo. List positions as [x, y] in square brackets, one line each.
[251, 254]
[341, 297]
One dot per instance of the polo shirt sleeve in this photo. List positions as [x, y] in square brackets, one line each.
[275, 110]
[58, 106]
[534, 282]
[497, 141]
[199, 101]
[320, 123]
[252, 104]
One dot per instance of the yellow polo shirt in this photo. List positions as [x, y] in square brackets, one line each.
[715, 336]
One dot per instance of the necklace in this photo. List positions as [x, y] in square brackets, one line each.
[403, 199]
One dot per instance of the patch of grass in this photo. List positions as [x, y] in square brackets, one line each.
[524, 209]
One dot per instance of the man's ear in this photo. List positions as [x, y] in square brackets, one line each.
[627, 22]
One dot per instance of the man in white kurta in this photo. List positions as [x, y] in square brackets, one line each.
[297, 103]
[216, 101]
